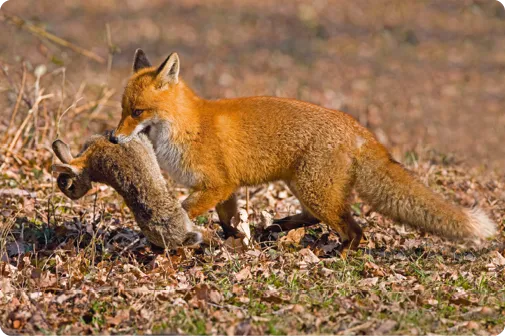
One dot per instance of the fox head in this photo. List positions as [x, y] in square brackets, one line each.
[150, 96]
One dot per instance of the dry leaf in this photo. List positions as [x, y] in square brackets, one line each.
[17, 192]
[373, 269]
[293, 237]
[498, 259]
[266, 219]
[241, 223]
[235, 244]
[273, 297]
[47, 279]
[243, 274]
[369, 282]
[385, 327]
[308, 256]
[121, 316]
[205, 293]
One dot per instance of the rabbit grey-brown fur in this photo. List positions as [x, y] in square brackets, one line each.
[132, 170]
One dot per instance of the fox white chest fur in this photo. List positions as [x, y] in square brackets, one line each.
[169, 156]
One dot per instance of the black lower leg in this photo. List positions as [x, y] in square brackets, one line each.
[293, 222]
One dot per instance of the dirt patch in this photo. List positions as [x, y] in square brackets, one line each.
[418, 73]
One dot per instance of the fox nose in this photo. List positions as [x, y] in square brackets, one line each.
[113, 138]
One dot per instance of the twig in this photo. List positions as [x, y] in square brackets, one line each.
[24, 123]
[39, 75]
[120, 254]
[111, 52]
[18, 100]
[247, 200]
[60, 107]
[40, 32]
[20, 130]
[25, 99]
[16, 156]
[107, 94]
[46, 123]
[94, 104]
[65, 112]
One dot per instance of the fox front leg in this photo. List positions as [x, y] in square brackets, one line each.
[222, 199]
[226, 210]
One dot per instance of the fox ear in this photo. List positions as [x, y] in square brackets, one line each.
[168, 71]
[62, 151]
[140, 60]
[71, 170]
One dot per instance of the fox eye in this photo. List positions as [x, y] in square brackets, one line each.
[137, 112]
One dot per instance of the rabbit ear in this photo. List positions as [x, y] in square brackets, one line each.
[71, 170]
[62, 151]
[65, 182]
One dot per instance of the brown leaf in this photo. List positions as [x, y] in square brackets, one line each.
[235, 244]
[460, 301]
[293, 236]
[273, 296]
[47, 279]
[325, 272]
[243, 274]
[121, 316]
[373, 269]
[146, 313]
[308, 256]
[472, 325]
[17, 192]
[369, 282]
[266, 219]
[241, 223]
[385, 327]
[237, 289]
[498, 259]
[205, 293]
[432, 302]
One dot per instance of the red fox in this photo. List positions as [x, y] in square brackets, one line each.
[216, 146]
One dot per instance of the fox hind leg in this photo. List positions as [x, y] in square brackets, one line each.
[293, 222]
[325, 197]
[354, 232]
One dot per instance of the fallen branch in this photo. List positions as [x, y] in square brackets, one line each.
[41, 32]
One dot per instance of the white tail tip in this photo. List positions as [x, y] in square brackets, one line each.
[483, 227]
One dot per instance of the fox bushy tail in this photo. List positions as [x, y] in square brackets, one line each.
[396, 193]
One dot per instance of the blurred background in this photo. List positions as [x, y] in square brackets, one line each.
[420, 74]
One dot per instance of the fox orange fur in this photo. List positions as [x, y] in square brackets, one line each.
[216, 146]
